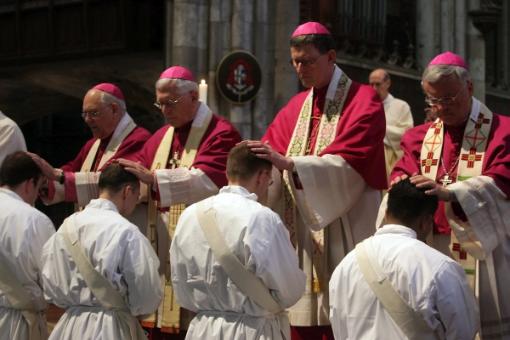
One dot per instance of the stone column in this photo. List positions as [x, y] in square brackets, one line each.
[285, 78]
[428, 28]
[476, 55]
[242, 39]
[447, 25]
[264, 52]
[460, 27]
[169, 8]
[185, 39]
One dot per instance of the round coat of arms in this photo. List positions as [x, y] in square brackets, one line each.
[238, 77]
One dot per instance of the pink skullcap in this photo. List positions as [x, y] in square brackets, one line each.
[177, 72]
[449, 58]
[310, 27]
[110, 89]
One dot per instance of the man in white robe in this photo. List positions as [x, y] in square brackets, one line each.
[11, 137]
[23, 232]
[117, 252]
[257, 237]
[398, 116]
[432, 284]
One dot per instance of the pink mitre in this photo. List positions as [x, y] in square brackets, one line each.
[177, 72]
[110, 89]
[310, 27]
[449, 58]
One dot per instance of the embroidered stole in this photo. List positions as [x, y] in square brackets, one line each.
[86, 180]
[474, 144]
[335, 99]
[167, 317]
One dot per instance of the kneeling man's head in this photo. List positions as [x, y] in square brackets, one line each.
[244, 168]
[411, 207]
[119, 186]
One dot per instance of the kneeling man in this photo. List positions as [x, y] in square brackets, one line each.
[232, 260]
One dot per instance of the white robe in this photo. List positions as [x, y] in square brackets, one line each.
[431, 283]
[488, 212]
[23, 232]
[257, 236]
[334, 198]
[11, 137]
[118, 251]
[398, 120]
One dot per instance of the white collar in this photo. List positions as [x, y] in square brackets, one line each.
[239, 190]
[388, 99]
[396, 229]
[103, 204]
[12, 194]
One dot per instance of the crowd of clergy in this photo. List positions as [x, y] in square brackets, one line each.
[342, 222]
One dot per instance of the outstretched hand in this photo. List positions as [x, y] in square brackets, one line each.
[432, 188]
[137, 169]
[265, 151]
[46, 168]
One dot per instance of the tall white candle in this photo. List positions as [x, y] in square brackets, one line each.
[202, 91]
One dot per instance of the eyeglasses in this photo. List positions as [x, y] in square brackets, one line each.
[92, 114]
[169, 102]
[433, 103]
[304, 62]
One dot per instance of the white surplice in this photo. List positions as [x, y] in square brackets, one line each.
[117, 250]
[334, 198]
[23, 232]
[431, 283]
[257, 236]
[488, 221]
[11, 137]
[398, 120]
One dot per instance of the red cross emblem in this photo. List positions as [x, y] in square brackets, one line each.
[471, 157]
[480, 121]
[462, 252]
[429, 161]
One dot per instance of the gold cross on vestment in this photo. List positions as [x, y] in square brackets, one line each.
[175, 161]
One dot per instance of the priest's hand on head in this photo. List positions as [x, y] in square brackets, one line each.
[265, 151]
[144, 175]
[432, 187]
[46, 168]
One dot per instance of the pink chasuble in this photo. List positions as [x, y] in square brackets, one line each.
[359, 133]
[496, 163]
[128, 149]
[211, 158]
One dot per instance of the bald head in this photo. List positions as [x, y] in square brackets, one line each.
[380, 80]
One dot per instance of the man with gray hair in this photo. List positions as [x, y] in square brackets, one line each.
[398, 116]
[463, 158]
[115, 135]
[183, 163]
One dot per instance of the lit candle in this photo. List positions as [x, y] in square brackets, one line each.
[202, 91]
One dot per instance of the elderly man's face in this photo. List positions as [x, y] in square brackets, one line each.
[450, 99]
[378, 81]
[101, 118]
[313, 68]
[178, 109]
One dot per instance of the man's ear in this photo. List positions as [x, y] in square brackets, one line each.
[331, 56]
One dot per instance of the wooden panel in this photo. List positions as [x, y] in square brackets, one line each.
[69, 29]
[8, 35]
[35, 38]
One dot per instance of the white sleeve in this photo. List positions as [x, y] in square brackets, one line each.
[273, 258]
[336, 318]
[182, 185]
[330, 188]
[455, 302]
[487, 210]
[11, 140]
[139, 267]
[86, 187]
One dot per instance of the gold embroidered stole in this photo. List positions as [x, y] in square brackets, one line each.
[474, 144]
[126, 125]
[335, 99]
[89, 189]
[167, 317]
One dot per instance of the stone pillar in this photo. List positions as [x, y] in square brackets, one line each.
[505, 47]
[428, 28]
[185, 38]
[169, 10]
[264, 52]
[460, 27]
[242, 39]
[285, 78]
[447, 25]
[476, 54]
